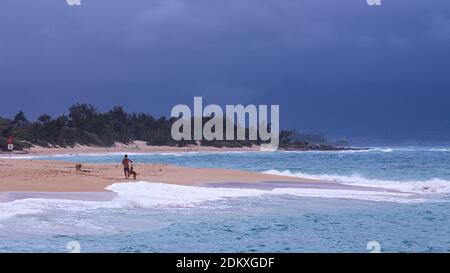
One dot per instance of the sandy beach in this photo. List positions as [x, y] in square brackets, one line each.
[26, 176]
[132, 147]
[58, 176]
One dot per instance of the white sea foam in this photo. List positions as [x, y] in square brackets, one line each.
[34, 206]
[112, 154]
[329, 152]
[150, 195]
[49, 216]
[439, 150]
[410, 149]
[376, 196]
[377, 150]
[144, 194]
[18, 157]
[129, 195]
[432, 186]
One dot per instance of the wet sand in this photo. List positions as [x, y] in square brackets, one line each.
[26, 175]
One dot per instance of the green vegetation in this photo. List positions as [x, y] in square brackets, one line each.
[294, 140]
[85, 125]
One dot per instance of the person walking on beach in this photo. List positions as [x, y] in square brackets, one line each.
[126, 166]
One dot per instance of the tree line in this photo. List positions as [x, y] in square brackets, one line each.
[86, 125]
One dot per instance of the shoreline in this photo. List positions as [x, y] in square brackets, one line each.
[27, 176]
[137, 147]
[107, 195]
[132, 147]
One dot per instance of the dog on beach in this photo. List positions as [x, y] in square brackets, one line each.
[78, 167]
[133, 173]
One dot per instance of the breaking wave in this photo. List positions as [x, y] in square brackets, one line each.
[431, 186]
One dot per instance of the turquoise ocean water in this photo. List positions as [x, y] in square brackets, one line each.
[153, 217]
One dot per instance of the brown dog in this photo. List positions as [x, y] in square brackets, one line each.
[78, 167]
[133, 173]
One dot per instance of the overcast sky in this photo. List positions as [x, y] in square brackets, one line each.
[334, 66]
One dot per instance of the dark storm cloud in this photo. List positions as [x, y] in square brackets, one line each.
[340, 67]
